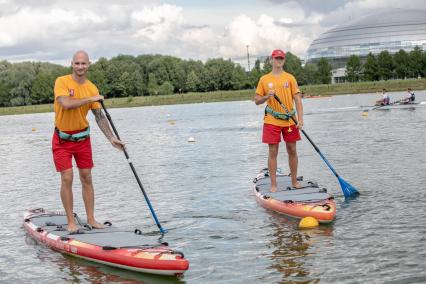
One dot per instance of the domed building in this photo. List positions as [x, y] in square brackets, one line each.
[390, 30]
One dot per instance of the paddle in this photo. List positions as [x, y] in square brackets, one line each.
[163, 231]
[348, 190]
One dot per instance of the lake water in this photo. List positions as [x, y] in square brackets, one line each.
[202, 193]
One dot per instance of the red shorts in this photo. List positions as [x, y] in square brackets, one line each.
[63, 151]
[272, 134]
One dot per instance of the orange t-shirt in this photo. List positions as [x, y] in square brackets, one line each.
[285, 86]
[73, 119]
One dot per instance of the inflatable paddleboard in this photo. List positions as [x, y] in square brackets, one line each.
[308, 201]
[111, 246]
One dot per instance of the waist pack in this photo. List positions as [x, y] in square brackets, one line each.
[279, 115]
[75, 137]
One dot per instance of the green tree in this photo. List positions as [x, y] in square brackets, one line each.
[192, 65]
[192, 82]
[217, 74]
[255, 74]
[166, 88]
[198, 68]
[42, 89]
[308, 75]
[177, 73]
[239, 78]
[152, 85]
[158, 67]
[370, 68]
[138, 86]
[385, 65]
[112, 74]
[126, 84]
[20, 77]
[267, 66]
[98, 75]
[323, 73]
[4, 94]
[401, 67]
[293, 65]
[424, 63]
[353, 69]
[416, 63]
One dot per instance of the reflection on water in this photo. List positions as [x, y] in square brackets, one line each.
[292, 248]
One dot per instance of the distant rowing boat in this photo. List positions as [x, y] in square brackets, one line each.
[394, 106]
[369, 108]
[315, 96]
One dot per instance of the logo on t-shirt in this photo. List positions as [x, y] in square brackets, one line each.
[71, 92]
[285, 84]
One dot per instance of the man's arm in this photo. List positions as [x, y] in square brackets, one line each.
[103, 124]
[299, 109]
[70, 103]
[258, 99]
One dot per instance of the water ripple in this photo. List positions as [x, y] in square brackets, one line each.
[202, 194]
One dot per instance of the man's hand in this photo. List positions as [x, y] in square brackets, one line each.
[96, 98]
[117, 143]
[300, 124]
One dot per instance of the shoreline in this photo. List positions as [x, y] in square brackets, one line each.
[241, 95]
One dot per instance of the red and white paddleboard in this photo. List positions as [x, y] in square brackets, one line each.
[111, 246]
[309, 201]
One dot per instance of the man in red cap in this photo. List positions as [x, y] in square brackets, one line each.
[277, 121]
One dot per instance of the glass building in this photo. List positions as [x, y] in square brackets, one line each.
[390, 30]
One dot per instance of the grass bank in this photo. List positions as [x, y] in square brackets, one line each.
[365, 87]
[218, 96]
[221, 96]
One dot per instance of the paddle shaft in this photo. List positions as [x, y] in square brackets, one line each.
[133, 170]
[307, 137]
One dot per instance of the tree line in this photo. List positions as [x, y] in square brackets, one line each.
[28, 83]
[385, 66]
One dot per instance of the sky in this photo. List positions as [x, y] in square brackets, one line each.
[52, 30]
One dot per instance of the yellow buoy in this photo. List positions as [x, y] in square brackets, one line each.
[33, 129]
[364, 113]
[308, 222]
[172, 122]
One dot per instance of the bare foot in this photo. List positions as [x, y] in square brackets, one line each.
[273, 189]
[296, 185]
[72, 228]
[96, 225]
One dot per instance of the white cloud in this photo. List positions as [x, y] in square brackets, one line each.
[52, 30]
[359, 8]
[157, 23]
[199, 36]
[263, 35]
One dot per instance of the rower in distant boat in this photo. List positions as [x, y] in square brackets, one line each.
[409, 98]
[385, 100]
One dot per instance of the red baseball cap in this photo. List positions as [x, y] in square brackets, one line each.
[278, 53]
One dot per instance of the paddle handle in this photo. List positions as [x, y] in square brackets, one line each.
[162, 230]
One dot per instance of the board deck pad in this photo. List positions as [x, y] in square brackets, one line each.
[309, 191]
[109, 236]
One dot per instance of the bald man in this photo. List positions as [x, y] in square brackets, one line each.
[75, 95]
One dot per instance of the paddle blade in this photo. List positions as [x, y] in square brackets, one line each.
[348, 190]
